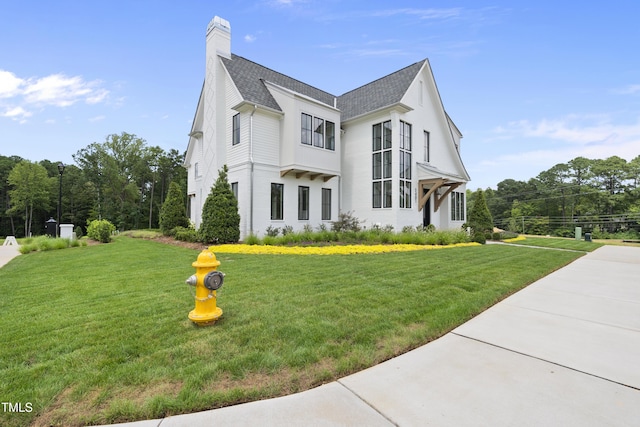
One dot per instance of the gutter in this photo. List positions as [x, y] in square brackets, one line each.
[255, 107]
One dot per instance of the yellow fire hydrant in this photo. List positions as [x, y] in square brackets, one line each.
[207, 281]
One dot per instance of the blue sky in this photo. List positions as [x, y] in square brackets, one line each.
[530, 83]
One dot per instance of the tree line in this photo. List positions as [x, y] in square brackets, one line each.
[123, 180]
[600, 195]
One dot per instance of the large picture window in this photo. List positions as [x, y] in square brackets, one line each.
[303, 203]
[457, 206]
[381, 165]
[277, 201]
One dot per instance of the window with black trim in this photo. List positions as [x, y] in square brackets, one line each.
[277, 201]
[457, 206]
[235, 139]
[307, 129]
[326, 204]
[318, 132]
[381, 165]
[303, 203]
[405, 165]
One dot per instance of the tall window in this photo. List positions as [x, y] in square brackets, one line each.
[307, 129]
[277, 201]
[405, 165]
[427, 147]
[381, 165]
[234, 189]
[326, 204]
[235, 140]
[318, 132]
[330, 143]
[457, 206]
[303, 202]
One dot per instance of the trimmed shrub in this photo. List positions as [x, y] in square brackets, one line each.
[480, 219]
[346, 222]
[172, 213]
[100, 230]
[185, 234]
[220, 217]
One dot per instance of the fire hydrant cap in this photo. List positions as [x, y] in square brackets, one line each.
[206, 259]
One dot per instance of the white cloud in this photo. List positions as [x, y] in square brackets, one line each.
[9, 84]
[62, 91]
[56, 90]
[97, 118]
[574, 129]
[421, 13]
[17, 113]
[249, 38]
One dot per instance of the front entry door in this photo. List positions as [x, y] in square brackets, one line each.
[426, 210]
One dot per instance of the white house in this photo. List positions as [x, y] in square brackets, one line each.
[387, 151]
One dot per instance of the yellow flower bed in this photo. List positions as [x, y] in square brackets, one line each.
[327, 250]
[515, 239]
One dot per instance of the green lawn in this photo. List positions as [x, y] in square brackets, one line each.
[100, 334]
[559, 243]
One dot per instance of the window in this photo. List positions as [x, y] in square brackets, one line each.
[303, 203]
[318, 132]
[405, 165]
[381, 165]
[277, 201]
[196, 170]
[235, 140]
[234, 189]
[306, 129]
[457, 206]
[326, 204]
[427, 147]
[330, 143]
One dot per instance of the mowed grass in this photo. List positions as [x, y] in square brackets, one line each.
[559, 243]
[100, 334]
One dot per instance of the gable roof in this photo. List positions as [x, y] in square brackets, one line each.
[249, 79]
[378, 94]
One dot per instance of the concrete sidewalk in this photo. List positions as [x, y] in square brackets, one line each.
[564, 351]
[7, 253]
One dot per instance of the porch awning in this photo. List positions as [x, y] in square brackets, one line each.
[432, 179]
[306, 173]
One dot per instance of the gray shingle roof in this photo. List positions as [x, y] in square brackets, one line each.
[249, 78]
[378, 94]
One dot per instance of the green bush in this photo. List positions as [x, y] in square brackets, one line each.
[100, 230]
[79, 232]
[220, 217]
[346, 222]
[185, 234]
[172, 213]
[252, 239]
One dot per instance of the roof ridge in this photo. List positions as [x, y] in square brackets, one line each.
[384, 77]
[282, 74]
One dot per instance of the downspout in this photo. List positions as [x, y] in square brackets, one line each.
[255, 107]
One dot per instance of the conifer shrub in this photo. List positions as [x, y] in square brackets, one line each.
[480, 219]
[172, 213]
[220, 217]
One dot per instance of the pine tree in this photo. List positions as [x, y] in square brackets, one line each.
[220, 217]
[172, 213]
[480, 219]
